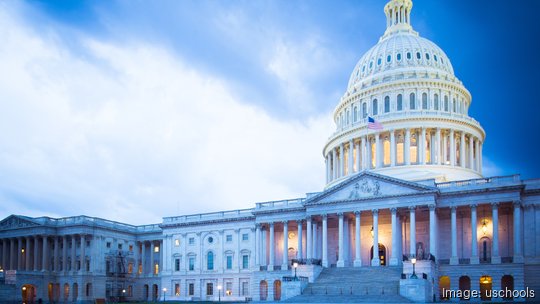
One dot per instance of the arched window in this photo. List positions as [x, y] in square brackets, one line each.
[400, 157]
[386, 150]
[424, 101]
[454, 105]
[341, 119]
[409, 55]
[399, 56]
[400, 102]
[412, 102]
[444, 285]
[446, 103]
[386, 104]
[418, 55]
[375, 108]
[436, 101]
[507, 282]
[464, 286]
[210, 261]
[348, 115]
[364, 110]
[388, 58]
[355, 114]
[263, 290]
[427, 56]
[379, 61]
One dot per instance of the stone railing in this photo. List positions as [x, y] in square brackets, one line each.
[282, 204]
[222, 215]
[510, 179]
[95, 221]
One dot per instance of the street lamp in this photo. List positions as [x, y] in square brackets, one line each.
[219, 293]
[295, 265]
[164, 291]
[413, 261]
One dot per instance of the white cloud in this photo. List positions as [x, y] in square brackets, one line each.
[133, 133]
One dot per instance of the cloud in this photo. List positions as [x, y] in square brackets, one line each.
[132, 132]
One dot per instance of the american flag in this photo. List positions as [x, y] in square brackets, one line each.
[373, 124]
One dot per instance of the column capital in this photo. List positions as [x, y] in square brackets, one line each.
[285, 222]
[494, 205]
[453, 208]
[271, 224]
[393, 210]
[308, 218]
[432, 207]
[299, 221]
[257, 226]
[357, 212]
[324, 216]
[375, 211]
[412, 208]
[516, 203]
[473, 206]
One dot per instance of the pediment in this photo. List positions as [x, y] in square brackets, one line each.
[15, 221]
[368, 185]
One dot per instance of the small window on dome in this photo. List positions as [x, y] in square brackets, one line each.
[427, 56]
[370, 64]
[418, 55]
[442, 60]
[379, 61]
[363, 69]
[388, 58]
[399, 102]
[435, 57]
[399, 56]
[409, 55]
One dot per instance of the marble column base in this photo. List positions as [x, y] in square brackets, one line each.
[357, 263]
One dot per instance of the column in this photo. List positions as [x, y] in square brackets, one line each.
[471, 152]
[12, 255]
[314, 240]
[309, 238]
[368, 153]
[324, 240]
[395, 242]
[64, 253]
[152, 245]
[73, 253]
[495, 257]
[257, 245]
[422, 148]
[407, 148]
[357, 241]
[83, 253]
[27, 254]
[518, 252]
[363, 151]
[143, 256]
[438, 147]
[445, 149]
[45, 256]
[452, 148]
[19, 254]
[351, 157]
[432, 231]
[477, 160]
[378, 150]
[327, 161]
[375, 261]
[285, 264]
[272, 248]
[392, 148]
[56, 254]
[334, 165]
[462, 150]
[358, 159]
[340, 262]
[453, 258]
[341, 160]
[299, 253]
[412, 232]
[480, 158]
[4, 254]
[474, 237]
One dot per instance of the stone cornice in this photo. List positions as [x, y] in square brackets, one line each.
[207, 222]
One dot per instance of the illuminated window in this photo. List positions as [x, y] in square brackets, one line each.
[156, 268]
[130, 291]
[177, 242]
[176, 289]
[130, 268]
[386, 145]
[428, 148]
[140, 268]
[228, 288]
[373, 153]
[400, 157]
[156, 248]
[414, 149]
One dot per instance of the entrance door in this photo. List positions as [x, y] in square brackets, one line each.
[382, 254]
[28, 293]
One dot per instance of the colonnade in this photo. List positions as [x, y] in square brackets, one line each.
[45, 253]
[410, 146]
[152, 267]
[397, 215]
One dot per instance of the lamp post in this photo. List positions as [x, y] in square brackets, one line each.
[164, 293]
[413, 261]
[219, 293]
[295, 265]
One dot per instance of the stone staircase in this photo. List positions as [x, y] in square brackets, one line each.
[354, 285]
[8, 292]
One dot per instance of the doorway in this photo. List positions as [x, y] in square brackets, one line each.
[382, 254]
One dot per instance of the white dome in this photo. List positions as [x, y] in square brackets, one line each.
[399, 52]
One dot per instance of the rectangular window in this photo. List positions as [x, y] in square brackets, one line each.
[191, 263]
[191, 289]
[209, 289]
[176, 264]
[130, 268]
[245, 262]
[176, 289]
[177, 242]
[131, 248]
[108, 245]
[245, 289]
[229, 237]
[140, 268]
[120, 246]
[245, 237]
[229, 262]
[228, 288]
[156, 268]
[156, 249]
[191, 241]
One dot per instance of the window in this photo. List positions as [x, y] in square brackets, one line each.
[412, 102]
[229, 262]
[400, 102]
[176, 264]
[418, 55]
[435, 57]
[245, 289]
[388, 58]
[229, 238]
[176, 289]
[156, 268]
[355, 114]
[424, 101]
[210, 240]
[228, 288]
[399, 56]
[191, 241]
[374, 108]
[364, 110]
[454, 105]
[347, 115]
[140, 269]
[409, 55]
[379, 61]
[209, 289]
[131, 248]
[210, 261]
[386, 104]
[245, 237]
[446, 103]
[177, 242]
[130, 291]
[427, 56]
[363, 68]
[245, 261]
[191, 289]
[191, 263]
[130, 268]
[370, 64]
[108, 245]
[119, 246]
[436, 101]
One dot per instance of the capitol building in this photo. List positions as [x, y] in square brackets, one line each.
[406, 213]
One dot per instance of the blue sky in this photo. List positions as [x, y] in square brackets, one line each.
[134, 110]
